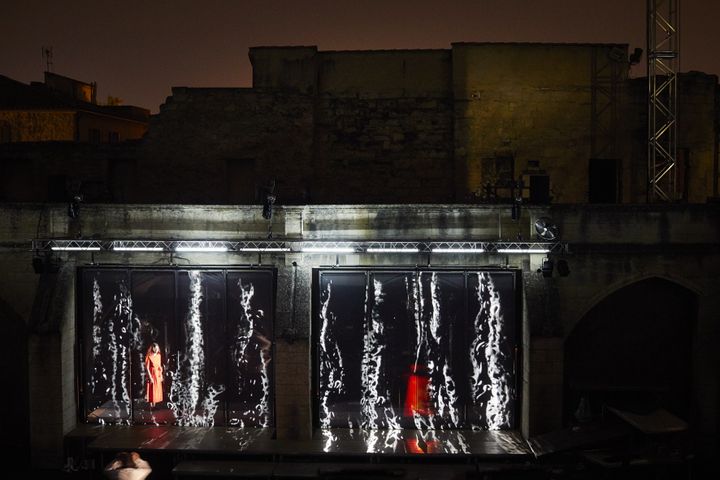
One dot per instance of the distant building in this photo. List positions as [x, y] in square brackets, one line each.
[64, 109]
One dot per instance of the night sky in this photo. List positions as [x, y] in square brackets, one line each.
[138, 50]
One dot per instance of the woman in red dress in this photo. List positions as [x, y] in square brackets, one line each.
[154, 370]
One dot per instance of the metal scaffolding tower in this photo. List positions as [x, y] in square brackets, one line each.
[663, 47]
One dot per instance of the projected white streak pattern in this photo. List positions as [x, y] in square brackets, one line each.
[331, 366]
[188, 379]
[490, 352]
[375, 395]
[260, 414]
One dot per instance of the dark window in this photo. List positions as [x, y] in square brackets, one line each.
[93, 135]
[113, 137]
[603, 179]
[5, 133]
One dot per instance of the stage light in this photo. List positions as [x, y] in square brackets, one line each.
[74, 206]
[76, 249]
[201, 249]
[523, 250]
[328, 250]
[137, 249]
[457, 250]
[547, 268]
[563, 268]
[635, 56]
[392, 250]
[260, 249]
[546, 230]
[268, 201]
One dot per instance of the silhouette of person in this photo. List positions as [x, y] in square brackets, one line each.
[127, 466]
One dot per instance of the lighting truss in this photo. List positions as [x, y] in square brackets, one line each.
[663, 48]
[74, 245]
[139, 246]
[309, 247]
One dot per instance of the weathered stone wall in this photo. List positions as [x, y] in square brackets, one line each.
[609, 247]
[200, 131]
[528, 102]
[105, 124]
[402, 143]
[39, 126]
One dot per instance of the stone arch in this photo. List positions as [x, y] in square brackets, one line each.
[633, 349]
[625, 282]
[14, 409]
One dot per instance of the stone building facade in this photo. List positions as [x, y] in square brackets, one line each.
[435, 137]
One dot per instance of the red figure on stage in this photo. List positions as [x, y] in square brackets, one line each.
[417, 399]
[154, 370]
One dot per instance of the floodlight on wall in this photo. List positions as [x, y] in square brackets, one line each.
[547, 268]
[635, 56]
[546, 230]
[269, 198]
[74, 206]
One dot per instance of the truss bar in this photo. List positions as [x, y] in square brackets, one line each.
[663, 47]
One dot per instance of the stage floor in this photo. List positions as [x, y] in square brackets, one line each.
[325, 442]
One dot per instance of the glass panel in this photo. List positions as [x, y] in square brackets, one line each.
[153, 294]
[250, 341]
[107, 313]
[492, 335]
[411, 350]
[195, 383]
[210, 355]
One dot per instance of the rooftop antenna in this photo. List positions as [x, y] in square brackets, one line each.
[47, 55]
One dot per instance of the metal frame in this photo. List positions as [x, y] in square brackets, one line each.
[305, 247]
[663, 46]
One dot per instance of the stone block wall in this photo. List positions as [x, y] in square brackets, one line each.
[200, 131]
[404, 143]
[39, 126]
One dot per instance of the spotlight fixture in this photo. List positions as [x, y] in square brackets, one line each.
[546, 230]
[635, 56]
[74, 206]
[268, 201]
[547, 268]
